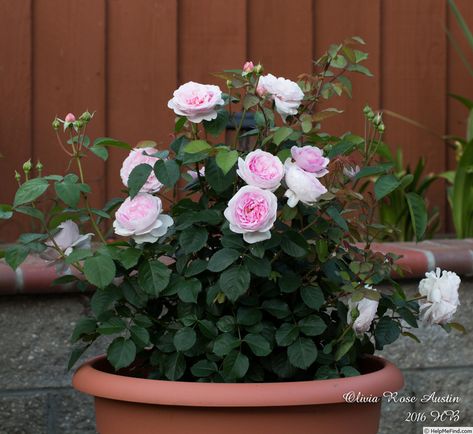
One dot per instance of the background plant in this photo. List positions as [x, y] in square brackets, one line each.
[460, 194]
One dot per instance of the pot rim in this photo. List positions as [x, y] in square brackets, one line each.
[92, 381]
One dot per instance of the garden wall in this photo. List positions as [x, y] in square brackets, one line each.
[124, 59]
[36, 397]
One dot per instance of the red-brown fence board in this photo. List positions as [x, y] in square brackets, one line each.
[414, 80]
[125, 58]
[141, 76]
[15, 102]
[68, 68]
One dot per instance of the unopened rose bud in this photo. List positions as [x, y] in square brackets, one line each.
[229, 84]
[17, 176]
[367, 109]
[381, 128]
[27, 166]
[258, 69]
[39, 167]
[86, 116]
[378, 119]
[248, 67]
[370, 116]
[56, 124]
[69, 118]
[78, 124]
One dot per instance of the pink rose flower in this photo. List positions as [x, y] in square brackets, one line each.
[261, 169]
[248, 67]
[252, 212]
[141, 156]
[311, 159]
[196, 101]
[302, 186]
[141, 219]
[287, 95]
[70, 118]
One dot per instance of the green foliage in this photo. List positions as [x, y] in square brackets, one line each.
[403, 207]
[196, 301]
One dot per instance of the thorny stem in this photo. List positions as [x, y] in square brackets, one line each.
[237, 132]
[62, 145]
[87, 205]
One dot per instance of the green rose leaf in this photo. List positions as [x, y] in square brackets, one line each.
[193, 239]
[140, 336]
[294, 244]
[107, 141]
[217, 126]
[235, 365]
[276, 307]
[84, 326]
[30, 191]
[99, 270]
[302, 353]
[386, 332]
[189, 289]
[196, 146]
[224, 344]
[167, 172]
[184, 339]
[138, 176]
[226, 160]
[312, 325]
[258, 345]
[312, 296]
[286, 334]
[281, 134]
[175, 366]
[153, 277]
[15, 255]
[222, 259]
[204, 368]
[121, 352]
[235, 281]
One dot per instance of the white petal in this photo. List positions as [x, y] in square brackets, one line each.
[255, 237]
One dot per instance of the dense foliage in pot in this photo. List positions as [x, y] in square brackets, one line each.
[261, 267]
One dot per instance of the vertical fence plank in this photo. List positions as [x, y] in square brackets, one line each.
[334, 21]
[69, 59]
[142, 71]
[272, 40]
[15, 108]
[414, 82]
[460, 81]
[212, 37]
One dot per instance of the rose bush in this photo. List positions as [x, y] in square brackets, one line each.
[261, 267]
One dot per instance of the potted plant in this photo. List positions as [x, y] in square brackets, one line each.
[250, 304]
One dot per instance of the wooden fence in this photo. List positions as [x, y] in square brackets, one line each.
[124, 58]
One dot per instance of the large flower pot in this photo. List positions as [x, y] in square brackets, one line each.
[126, 405]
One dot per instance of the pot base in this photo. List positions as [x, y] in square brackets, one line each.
[120, 417]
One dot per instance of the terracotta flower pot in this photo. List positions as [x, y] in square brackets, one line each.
[126, 405]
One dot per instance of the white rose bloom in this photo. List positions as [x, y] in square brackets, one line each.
[287, 95]
[302, 186]
[441, 290]
[367, 309]
[66, 239]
